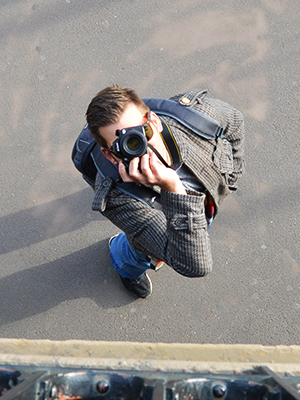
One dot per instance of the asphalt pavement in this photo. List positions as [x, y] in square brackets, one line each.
[56, 280]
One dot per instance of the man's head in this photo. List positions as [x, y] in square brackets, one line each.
[107, 108]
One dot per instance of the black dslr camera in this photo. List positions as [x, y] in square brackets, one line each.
[131, 143]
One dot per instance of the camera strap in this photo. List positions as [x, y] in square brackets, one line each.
[170, 144]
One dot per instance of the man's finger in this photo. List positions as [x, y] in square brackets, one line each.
[144, 164]
[123, 173]
[134, 167]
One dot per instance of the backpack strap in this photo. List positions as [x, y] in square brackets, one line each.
[140, 192]
[89, 159]
[199, 123]
[81, 156]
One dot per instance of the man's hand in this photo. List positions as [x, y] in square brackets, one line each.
[148, 170]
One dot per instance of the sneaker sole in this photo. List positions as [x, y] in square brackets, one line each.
[136, 295]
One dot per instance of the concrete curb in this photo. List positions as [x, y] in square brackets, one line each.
[148, 356]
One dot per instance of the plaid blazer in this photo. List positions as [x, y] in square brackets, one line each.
[178, 234]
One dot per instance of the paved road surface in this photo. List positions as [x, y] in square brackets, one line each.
[56, 281]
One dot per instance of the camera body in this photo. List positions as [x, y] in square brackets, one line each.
[131, 143]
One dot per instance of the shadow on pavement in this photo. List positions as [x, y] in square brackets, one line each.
[83, 274]
[46, 221]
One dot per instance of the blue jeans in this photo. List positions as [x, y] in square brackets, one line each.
[129, 263]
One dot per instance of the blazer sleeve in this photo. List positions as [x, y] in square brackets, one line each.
[177, 234]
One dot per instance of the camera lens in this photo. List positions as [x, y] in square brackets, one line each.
[133, 144]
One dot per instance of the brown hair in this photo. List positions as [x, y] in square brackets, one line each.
[107, 108]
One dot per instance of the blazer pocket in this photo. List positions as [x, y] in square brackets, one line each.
[223, 157]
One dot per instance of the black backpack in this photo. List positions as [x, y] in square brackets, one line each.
[89, 159]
